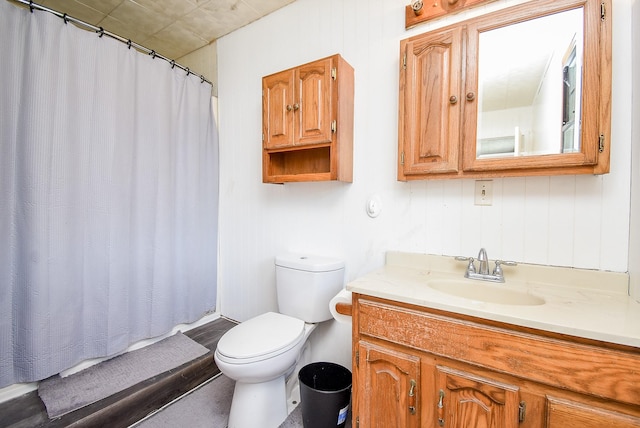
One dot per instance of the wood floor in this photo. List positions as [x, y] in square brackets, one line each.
[130, 405]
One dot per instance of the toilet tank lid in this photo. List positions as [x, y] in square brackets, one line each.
[309, 262]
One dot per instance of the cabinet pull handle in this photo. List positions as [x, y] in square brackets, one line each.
[296, 106]
[453, 99]
[289, 107]
[412, 397]
[522, 411]
[441, 409]
[471, 96]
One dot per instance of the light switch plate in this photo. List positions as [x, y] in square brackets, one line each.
[484, 192]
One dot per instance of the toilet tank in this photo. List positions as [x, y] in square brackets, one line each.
[305, 285]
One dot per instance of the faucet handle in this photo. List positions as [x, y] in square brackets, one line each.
[470, 267]
[498, 269]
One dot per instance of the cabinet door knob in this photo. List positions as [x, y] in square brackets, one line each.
[296, 106]
[471, 96]
[289, 107]
[453, 99]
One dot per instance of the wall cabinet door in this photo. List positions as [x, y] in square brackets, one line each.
[466, 400]
[277, 109]
[388, 394]
[430, 104]
[312, 110]
[297, 106]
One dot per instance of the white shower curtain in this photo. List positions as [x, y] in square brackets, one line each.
[108, 196]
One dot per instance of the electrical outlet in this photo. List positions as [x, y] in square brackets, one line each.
[484, 192]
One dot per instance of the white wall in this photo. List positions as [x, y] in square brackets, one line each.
[634, 249]
[566, 221]
[203, 62]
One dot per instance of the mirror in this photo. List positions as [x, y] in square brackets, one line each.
[529, 87]
[561, 124]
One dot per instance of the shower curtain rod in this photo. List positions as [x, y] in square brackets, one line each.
[102, 32]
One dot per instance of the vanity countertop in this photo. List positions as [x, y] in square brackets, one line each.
[578, 302]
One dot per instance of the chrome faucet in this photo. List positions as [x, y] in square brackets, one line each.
[482, 272]
[483, 262]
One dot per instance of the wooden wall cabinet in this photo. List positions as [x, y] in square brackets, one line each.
[307, 122]
[418, 367]
[440, 97]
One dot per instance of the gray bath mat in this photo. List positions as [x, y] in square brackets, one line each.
[64, 395]
[206, 407]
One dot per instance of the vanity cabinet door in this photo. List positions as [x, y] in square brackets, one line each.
[430, 104]
[466, 400]
[387, 394]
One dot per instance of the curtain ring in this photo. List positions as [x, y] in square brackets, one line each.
[31, 5]
[129, 43]
[65, 19]
[201, 78]
[173, 63]
[100, 32]
[187, 70]
[153, 54]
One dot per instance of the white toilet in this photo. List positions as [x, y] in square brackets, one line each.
[262, 352]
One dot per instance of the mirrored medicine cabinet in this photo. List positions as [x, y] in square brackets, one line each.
[521, 91]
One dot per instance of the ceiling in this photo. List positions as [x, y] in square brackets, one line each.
[173, 28]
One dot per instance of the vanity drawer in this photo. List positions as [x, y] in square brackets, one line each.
[578, 366]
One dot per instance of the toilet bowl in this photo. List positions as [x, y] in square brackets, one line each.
[261, 353]
[260, 366]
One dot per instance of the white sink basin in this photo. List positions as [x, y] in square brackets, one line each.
[485, 292]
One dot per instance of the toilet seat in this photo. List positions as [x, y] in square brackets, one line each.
[260, 338]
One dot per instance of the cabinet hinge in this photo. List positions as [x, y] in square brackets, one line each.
[357, 358]
[404, 61]
[334, 73]
[357, 421]
[603, 11]
[263, 138]
[601, 143]
[402, 158]
[522, 411]
[334, 126]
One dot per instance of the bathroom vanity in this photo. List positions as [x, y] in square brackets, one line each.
[550, 347]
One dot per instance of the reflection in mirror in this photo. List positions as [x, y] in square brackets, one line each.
[529, 87]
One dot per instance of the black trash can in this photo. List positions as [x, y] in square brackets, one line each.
[325, 395]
